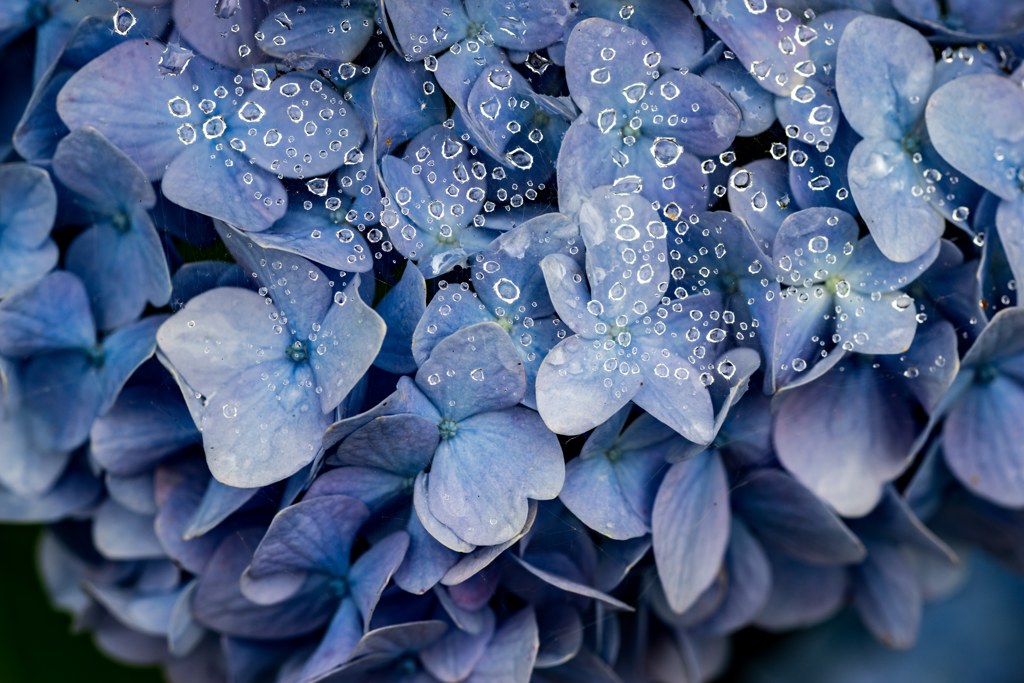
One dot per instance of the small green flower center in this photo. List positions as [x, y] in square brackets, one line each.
[339, 586]
[121, 222]
[505, 323]
[614, 454]
[447, 428]
[298, 351]
[985, 374]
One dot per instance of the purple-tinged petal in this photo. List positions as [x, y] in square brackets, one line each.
[887, 596]
[749, 579]
[474, 371]
[511, 654]
[120, 534]
[456, 654]
[403, 309]
[989, 149]
[801, 594]
[373, 570]
[884, 72]
[789, 518]
[849, 473]
[603, 60]
[691, 528]
[210, 31]
[300, 34]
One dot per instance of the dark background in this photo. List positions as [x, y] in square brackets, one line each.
[36, 642]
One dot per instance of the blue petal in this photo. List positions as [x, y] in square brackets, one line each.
[753, 35]
[670, 26]
[523, 25]
[627, 261]
[474, 371]
[602, 59]
[575, 390]
[980, 439]
[402, 308]
[318, 32]
[696, 113]
[691, 528]
[89, 164]
[749, 575]
[315, 130]
[559, 581]
[887, 596]
[422, 31]
[337, 643]
[446, 314]
[986, 150]
[611, 488]
[814, 244]
[212, 35]
[373, 570]
[802, 594]
[833, 410]
[123, 269]
[790, 519]
[882, 176]
[401, 444]
[301, 231]
[425, 563]
[759, 194]
[28, 206]
[510, 655]
[482, 477]
[314, 536]
[884, 73]
[1010, 224]
[401, 106]
[454, 656]
[219, 501]
[51, 315]
[816, 179]
[869, 271]
[120, 534]
[876, 324]
[75, 493]
[247, 198]
[146, 133]
[757, 106]
[349, 337]
[673, 392]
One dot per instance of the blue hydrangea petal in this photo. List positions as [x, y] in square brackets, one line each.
[553, 578]
[763, 202]
[445, 315]
[887, 596]
[219, 603]
[816, 178]
[421, 30]
[802, 594]
[696, 113]
[791, 519]
[442, 533]
[371, 573]
[567, 287]
[989, 150]
[347, 342]
[604, 58]
[312, 234]
[836, 407]
[90, 165]
[401, 444]
[756, 105]
[426, 561]
[801, 317]
[315, 535]
[124, 269]
[671, 26]
[869, 271]
[263, 425]
[51, 315]
[76, 492]
[313, 122]
[28, 205]
[982, 421]
[580, 385]
[338, 642]
[561, 637]
[400, 104]
[140, 429]
[146, 134]
[501, 477]
[148, 613]
[753, 35]
[457, 72]
[223, 318]
[690, 527]
[749, 575]
[211, 34]
[120, 534]
[454, 656]
[252, 205]
[612, 490]
[876, 324]
[884, 73]
[814, 244]
[472, 564]
[474, 371]
[626, 260]
[673, 392]
[523, 25]
[1010, 224]
[881, 176]
[512, 651]
[318, 32]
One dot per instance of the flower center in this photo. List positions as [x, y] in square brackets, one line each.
[298, 351]
[339, 586]
[447, 428]
[984, 374]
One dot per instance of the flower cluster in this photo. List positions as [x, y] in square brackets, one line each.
[508, 340]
